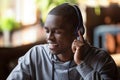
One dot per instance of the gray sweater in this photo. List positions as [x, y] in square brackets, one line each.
[39, 64]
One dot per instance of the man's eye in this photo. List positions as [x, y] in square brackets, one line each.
[47, 31]
[58, 31]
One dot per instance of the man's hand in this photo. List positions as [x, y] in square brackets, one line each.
[76, 48]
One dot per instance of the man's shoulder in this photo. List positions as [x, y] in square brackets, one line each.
[100, 53]
[38, 49]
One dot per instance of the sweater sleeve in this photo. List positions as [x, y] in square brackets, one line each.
[22, 70]
[99, 67]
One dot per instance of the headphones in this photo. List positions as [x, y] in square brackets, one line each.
[80, 21]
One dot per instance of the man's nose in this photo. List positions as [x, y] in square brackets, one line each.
[50, 36]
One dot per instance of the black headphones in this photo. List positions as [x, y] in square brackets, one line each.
[80, 21]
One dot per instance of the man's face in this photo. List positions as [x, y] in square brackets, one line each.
[59, 34]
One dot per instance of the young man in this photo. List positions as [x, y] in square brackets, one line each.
[65, 57]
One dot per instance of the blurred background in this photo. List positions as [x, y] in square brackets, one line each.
[21, 27]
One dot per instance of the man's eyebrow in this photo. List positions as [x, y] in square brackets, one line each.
[58, 28]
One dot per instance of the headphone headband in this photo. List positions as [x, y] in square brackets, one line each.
[80, 20]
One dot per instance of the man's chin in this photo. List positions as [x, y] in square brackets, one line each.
[54, 52]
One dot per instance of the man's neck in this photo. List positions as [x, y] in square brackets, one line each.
[65, 57]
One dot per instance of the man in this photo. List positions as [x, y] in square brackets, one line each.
[65, 57]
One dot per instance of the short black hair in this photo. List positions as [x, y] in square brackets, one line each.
[68, 12]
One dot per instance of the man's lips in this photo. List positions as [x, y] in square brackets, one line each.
[52, 46]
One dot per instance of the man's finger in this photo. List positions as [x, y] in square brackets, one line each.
[81, 36]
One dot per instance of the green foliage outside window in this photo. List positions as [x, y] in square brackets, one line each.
[8, 24]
